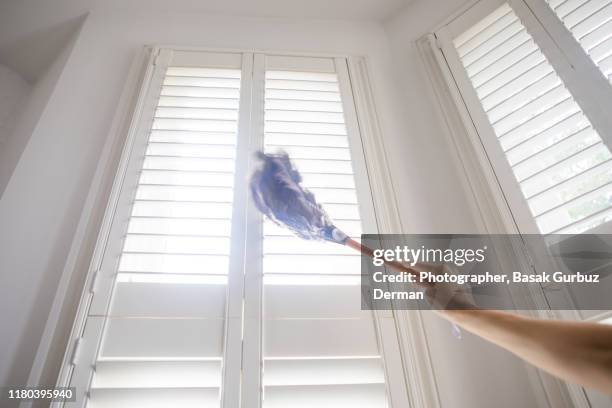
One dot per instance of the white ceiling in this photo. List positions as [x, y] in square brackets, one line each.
[364, 10]
[31, 55]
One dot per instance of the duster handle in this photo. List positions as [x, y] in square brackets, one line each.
[369, 252]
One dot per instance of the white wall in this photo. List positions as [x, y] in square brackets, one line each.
[14, 91]
[470, 372]
[44, 198]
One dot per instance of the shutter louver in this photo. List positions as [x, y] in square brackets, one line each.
[590, 21]
[319, 351]
[559, 160]
[163, 342]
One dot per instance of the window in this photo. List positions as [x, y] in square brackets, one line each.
[198, 302]
[531, 111]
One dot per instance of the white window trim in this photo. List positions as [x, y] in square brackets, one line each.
[468, 130]
[102, 198]
[415, 354]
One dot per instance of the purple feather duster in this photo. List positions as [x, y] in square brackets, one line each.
[277, 192]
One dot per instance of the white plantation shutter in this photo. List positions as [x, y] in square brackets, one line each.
[163, 342]
[590, 21]
[195, 301]
[319, 348]
[559, 160]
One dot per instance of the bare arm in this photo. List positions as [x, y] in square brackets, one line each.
[578, 352]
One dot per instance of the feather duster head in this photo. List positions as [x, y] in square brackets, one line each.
[277, 192]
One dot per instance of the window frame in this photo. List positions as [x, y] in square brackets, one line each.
[365, 129]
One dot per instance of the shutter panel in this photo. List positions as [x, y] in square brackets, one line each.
[590, 21]
[320, 349]
[558, 159]
[163, 341]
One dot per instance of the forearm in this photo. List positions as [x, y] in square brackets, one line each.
[574, 351]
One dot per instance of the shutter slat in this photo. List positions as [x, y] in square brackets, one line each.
[316, 153]
[204, 82]
[131, 338]
[188, 163]
[154, 398]
[543, 103]
[483, 24]
[565, 128]
[157, 374]
[298, 139]
[182, 136]
[197, 102]
[300, 106]
[540, 123]
[556, 152]
[311, 279]
[303, 116]
[602, 50]
[323, 371]
[520, 39]
[302, 95]
[170, 263]
[175, 193]
[304, 264]
[293, 245]
[181, 210]
[586, 224]
[200, 92]
[514, 87]
[576, 209]
[295, 302]
[191, 150]
[321, 128]
[503, 63]
[204, 125]
[319, 338]
[203, 72]
[487, 34]
[183, 178]
[154, 300]
[352, 228]
[511, 73]
[326, 396]
[597, 36]
[176, 244]
[572, 188]
[302, 85]
[524, 97]
[565, 169]
[301, 76]
[196, 113]
[179, 226]
[508, 31]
